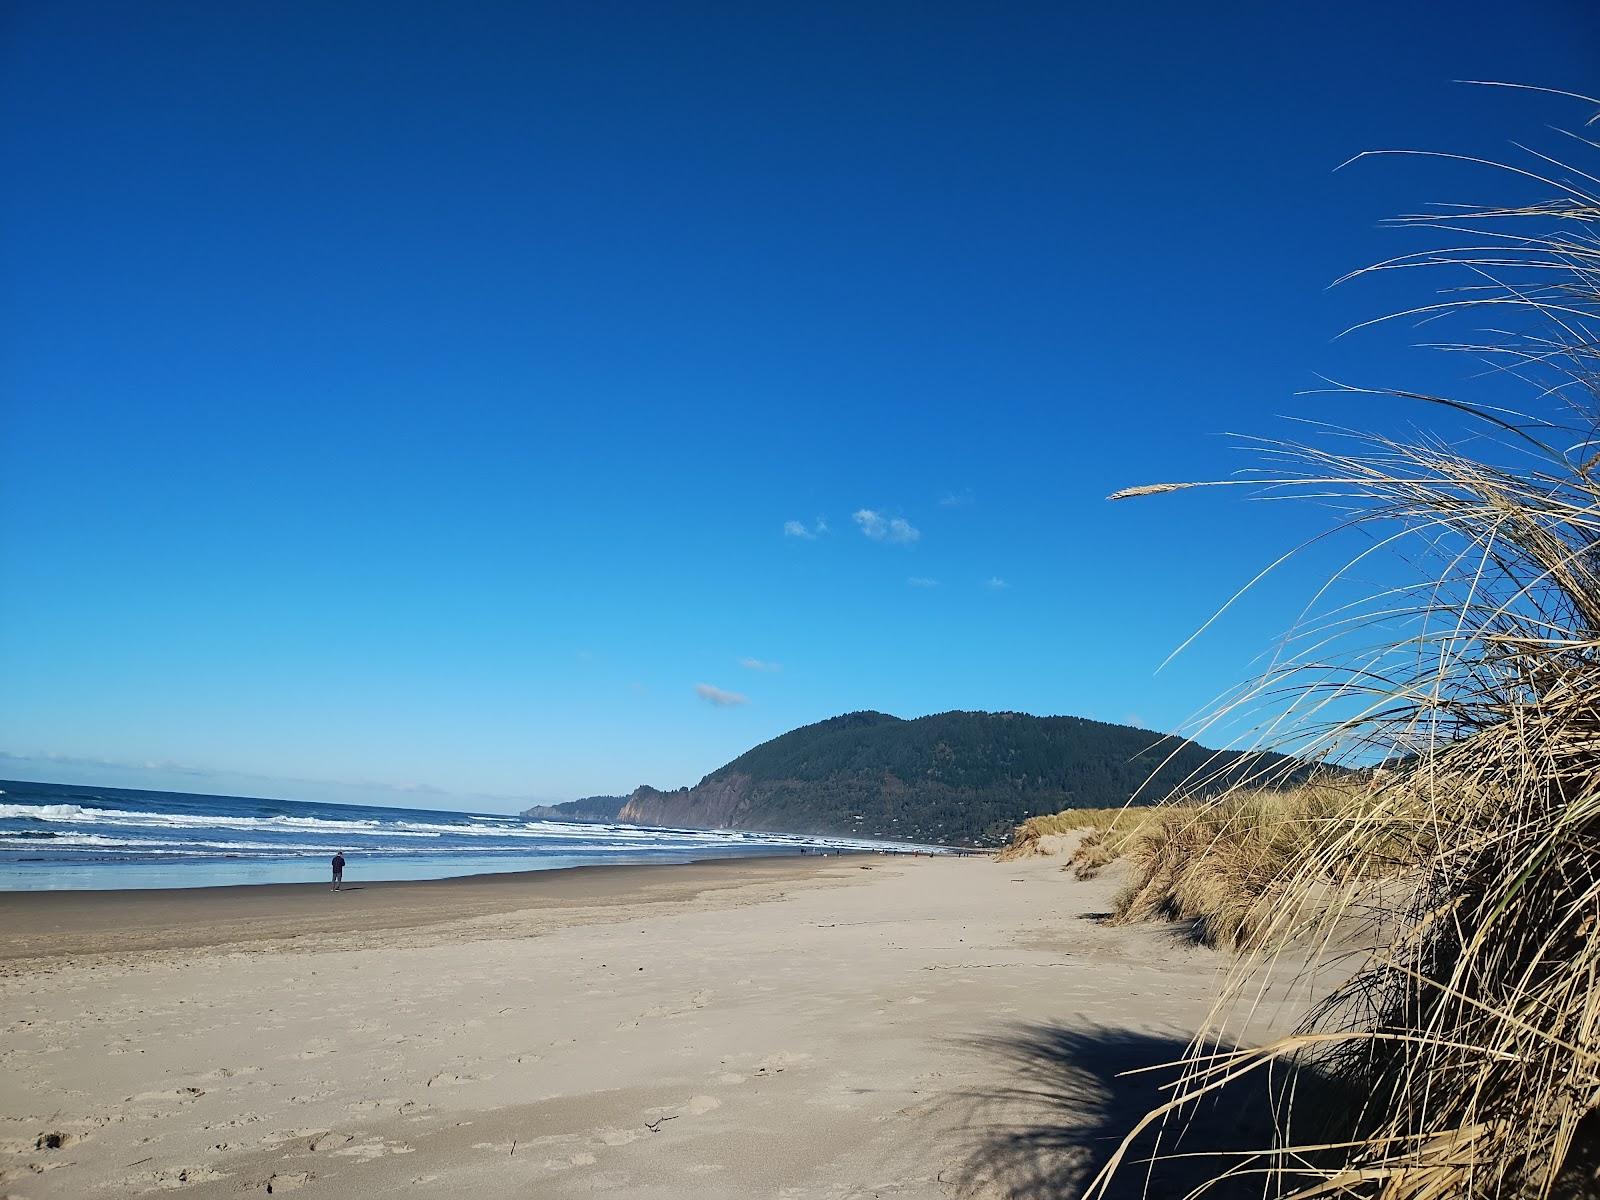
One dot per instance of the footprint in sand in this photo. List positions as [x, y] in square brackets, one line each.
[315, 1097]
[222, 1073]
[367, 1151]
[176, 1095]
[451, 1079]
[244, 1118]
[35, 1168]
[279, 1136]
[776, 1064]
[289, 1181]
[656, 1012]
[655, 1119]
[165, 1098]
[57, 1140]
[172, 1178]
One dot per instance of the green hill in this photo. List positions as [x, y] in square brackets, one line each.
[956, 777]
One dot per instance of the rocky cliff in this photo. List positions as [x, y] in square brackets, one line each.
[710, 804]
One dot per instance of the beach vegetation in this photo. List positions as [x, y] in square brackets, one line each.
[1465, 1046]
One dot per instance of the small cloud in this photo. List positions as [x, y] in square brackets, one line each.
[886, 529]
[922, 581]
[798, 529]
[996, 584]
[718, 697]
[756, 664]
[957, 499]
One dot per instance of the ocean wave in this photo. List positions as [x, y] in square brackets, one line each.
[65, 832]
[13, 849]
[316, 848]
[41, 812]
[74, 814]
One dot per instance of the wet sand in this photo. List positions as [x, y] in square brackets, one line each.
[68, 923]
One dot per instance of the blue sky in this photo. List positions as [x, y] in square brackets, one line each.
[449, 403]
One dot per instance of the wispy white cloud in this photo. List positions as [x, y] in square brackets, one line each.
[957, 499]
[799, 529]
[922, 581]
[996, 584]
[885, 529]
[756, 664]
[719, 697]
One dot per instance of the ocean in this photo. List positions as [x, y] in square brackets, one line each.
[66, 836]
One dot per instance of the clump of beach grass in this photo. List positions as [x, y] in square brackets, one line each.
[1095, 827]
[1472, 1033]
[1220, 865]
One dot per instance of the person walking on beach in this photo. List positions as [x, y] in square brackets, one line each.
[338, 870]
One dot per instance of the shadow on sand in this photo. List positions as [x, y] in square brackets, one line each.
[1047, 1137]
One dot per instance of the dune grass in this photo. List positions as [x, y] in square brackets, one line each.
[1215, 862]
[1220, 865]
[1097, 825]
[1471, 1036]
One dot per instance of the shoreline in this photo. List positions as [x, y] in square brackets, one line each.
[365, 881]
[39, 924]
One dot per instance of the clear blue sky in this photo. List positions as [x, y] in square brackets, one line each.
[416, 396]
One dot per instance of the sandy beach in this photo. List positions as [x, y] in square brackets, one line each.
[838, 1027]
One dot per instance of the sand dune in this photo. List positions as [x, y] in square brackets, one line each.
[797, 1028]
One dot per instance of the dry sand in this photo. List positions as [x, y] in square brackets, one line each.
[849, 1027]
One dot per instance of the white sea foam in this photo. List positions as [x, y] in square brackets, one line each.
[75, 814]
[41, 812]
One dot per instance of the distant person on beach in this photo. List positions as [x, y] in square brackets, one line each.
[338, 871]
